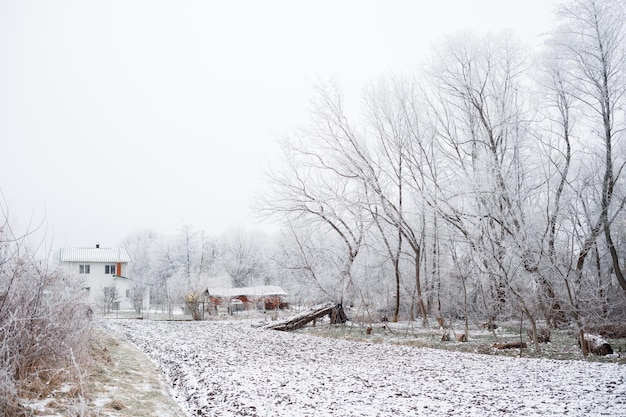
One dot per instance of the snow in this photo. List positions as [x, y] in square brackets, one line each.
[236, 368]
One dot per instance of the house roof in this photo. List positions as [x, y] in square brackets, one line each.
[260, 291]
[94, 255]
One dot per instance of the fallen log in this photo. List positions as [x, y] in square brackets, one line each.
[596, 345]
[510, 345]
[334, 311]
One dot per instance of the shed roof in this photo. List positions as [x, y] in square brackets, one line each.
[94, 255]
[259, 291]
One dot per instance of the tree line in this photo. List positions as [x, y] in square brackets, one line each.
[180, 267]
[489, 183]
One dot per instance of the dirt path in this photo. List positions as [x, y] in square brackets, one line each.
[127, 384]
[123, 382]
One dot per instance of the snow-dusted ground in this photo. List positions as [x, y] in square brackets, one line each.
[232, 368]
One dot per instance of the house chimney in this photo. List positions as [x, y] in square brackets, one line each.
[97, 246]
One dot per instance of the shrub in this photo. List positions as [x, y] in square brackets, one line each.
[614, 330]
[44, 326]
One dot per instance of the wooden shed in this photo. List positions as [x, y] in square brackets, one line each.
[264, 297]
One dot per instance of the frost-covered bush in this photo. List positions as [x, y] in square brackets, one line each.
[44, 325]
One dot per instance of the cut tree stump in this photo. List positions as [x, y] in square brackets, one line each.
[543, 335]
[334, 311]
[597, 345]
[510, 345]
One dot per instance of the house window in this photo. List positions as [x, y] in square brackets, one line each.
[83, 269]
[109, 269]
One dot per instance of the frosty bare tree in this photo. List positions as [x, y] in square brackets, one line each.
[557, 148]
[480, 181]
[307, 261]
[326, 207]
[318, 188]
[591, 47]
[110, 295]
[140, 247]
[587, 67]
[393, 113]
[137, 295]
[242, 258]
[207, 263]
[149, 265]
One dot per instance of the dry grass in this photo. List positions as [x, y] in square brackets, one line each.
[127, 383]
[122, 383]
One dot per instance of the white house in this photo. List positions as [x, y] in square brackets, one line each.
[103, 273]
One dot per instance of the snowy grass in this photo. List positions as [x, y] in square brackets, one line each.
[236, 368]
[563, 343]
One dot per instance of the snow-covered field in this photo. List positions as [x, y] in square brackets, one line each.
[234, 368]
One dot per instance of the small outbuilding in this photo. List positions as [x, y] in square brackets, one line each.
[264, 297]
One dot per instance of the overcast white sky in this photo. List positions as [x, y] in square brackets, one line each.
[116, 116]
